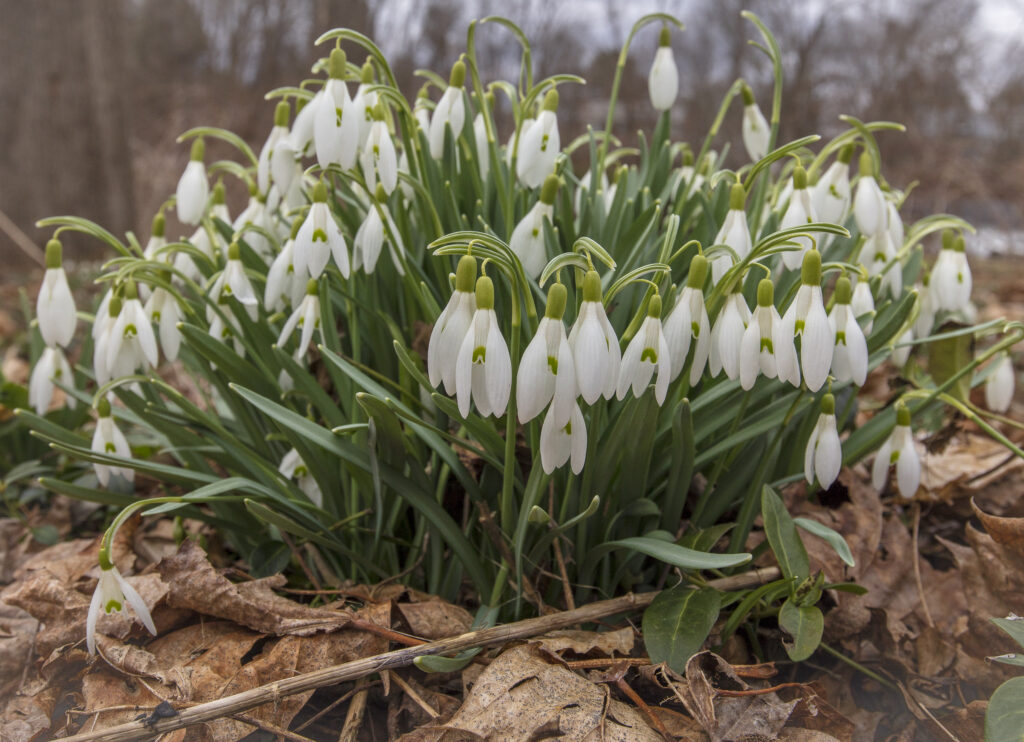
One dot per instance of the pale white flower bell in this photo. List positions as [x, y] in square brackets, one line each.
[734, 232]
[369, 240]
[483, 367]
[378, 159]
[688, 325]
[806, 317]
[55, 306]
[823, 457]
[999, 385]
[567, 443]
[483, 153]
[449, 112]
[162, 310]
[157, 240]
[547, 372]
[902, 347]
[863, 304]
[108, 439]
[233, 282]
[132, 343]
[451, 327]
[52, 366]
[364, 101]
[663, 79]
[285, 285]
[756, 132]
[111, 594]
[898, 449]
[539, 145]
[727, 336]
[799, 212]
[850, 356]
[336, 123]
[647, 351]
[595, 347]
[193, 188]
[293, 467]
[831, 194]
[765, 348]
[880, 254]
[278, 134]
[319, 238]
[951, 281]
[527, 240]
[306, 318]
[869, 207]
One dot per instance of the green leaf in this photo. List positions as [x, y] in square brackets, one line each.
[783, 538]
[1009, 659]
[670, 553]
[435, 663]
[834, 539]
[1004, 720]
[1012, 625]
[676, 624]
[269, 558]
[805, 624]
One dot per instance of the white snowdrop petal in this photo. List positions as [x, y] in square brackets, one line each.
[828, 456]
[809, 451]
[663, 79]
[880, 467]
[135, 600]
[498, 368]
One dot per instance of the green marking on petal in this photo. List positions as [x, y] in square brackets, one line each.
[766, 344]
[568, 428]
[894, 457]
[695, 329]
[112, 606]
[840, 337]
[319, 235]
[553, 364]
[130, 331]
[480, 354]
[833, 192]
[109, 448]
[799, 327]
[649, 354]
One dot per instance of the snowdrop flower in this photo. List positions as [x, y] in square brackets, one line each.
[527, 239]
[483, 152]
[559, 445]
[55, 307]
[255, 214]
[106, 317]
[450, 111]
[799, 212]
[663, 80]
[420, 112]
[646, 352]
[869, 208]
[278, 134]
[539, 145]
[184, 264]
[901, 349]
[284, 284]
[951, 277]
[162, 310]
[863, 304]
[898, 449]
[318, 238]
[301, 136]
[483, 367]
[595, 347]
[895, 222]
[369, 240]
[225, 331]
[52, 366]
[806, 317]
[193, 189]
[364, 101]
[765, 348]
[734, 232]
[583, 191]
[926, 309]
[756, 131]
[831, 195]
[727, 335]
[688, 322]
[515, 140]
[999, 385]
[451, 327]
[112, 591]
[232, 282]
[881, 262]
[131, 341]
[547, 372]
[108, 439]
[850, 356]
[335, 124]
[379, 161]
[823, 457]
[157, 240]
[306, 317]
[689, 178]
[293, 467]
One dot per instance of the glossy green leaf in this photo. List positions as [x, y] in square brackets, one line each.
[834, 538]
[676, 624]
[805, 624]
[783, 537]
[1004, 719]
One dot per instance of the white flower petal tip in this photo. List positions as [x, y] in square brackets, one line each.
[595, 347]
[112, 593]
[539, 146]
[565, 443]
[823, 457]
[192, 192]
[547, 373]
[449, 112]
[999, 385]
[663, 79]
[483, 367]
[646, 353]
[755, 130]
[898, 449]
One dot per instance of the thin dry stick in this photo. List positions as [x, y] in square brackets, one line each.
[917, 566]
[355, 713]
[411, 692]
[21, 240]
[570, 604]
[648, 712]
[266, 726]
[238, 702]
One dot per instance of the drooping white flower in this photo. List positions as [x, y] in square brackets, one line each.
[285, 285]
[566, 443]
[52, 366]
[55, 306]
[689, 179]
[595, 347]
[157, 240]
[162, 309]
[950, 285]
[863, 304]
[727, 335]
[823, 457]
[999, 385]
[420, 111]
[807, 318]
[256, 214]
[301, 136]
[688, 322]
[895, 222]
[881, 261]
[799, 212]
[765, 349]
[451, 327]
[734, 232]
[336, 125]
[756, 132]
[547, 372]
[583, 191]
[233, 282]
[483, 153]
[850, 356]
[185, 264]
[132, 343]
[527, 240]
[898, 449]
[663, 79]
[364, 101]
[193, 188]
[306, 317]
[831, 194]
[293, 467]
[647, 351]
[450, 111]
[108, 439]
[539, 145]
[106, 316]
[901, 349]
[278, 134]
[378, 159]
[227, 331]
[369, 240]
[112, 592]
[515, 140]
[319, 238]
[483, 367]
[869, 207]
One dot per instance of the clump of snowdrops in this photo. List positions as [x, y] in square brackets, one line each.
[508, 367]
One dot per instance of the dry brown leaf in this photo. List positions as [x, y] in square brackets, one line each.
[1007, 532]
[968, 464]
[814, 712]
[17, 633]
[193, 583]
[435, 619]
[582, 643]
[799, 734]
[24, 717]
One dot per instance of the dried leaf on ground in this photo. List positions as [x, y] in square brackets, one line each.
[582, 643]
[1007, 532]
[435, 619]
[970, 462]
